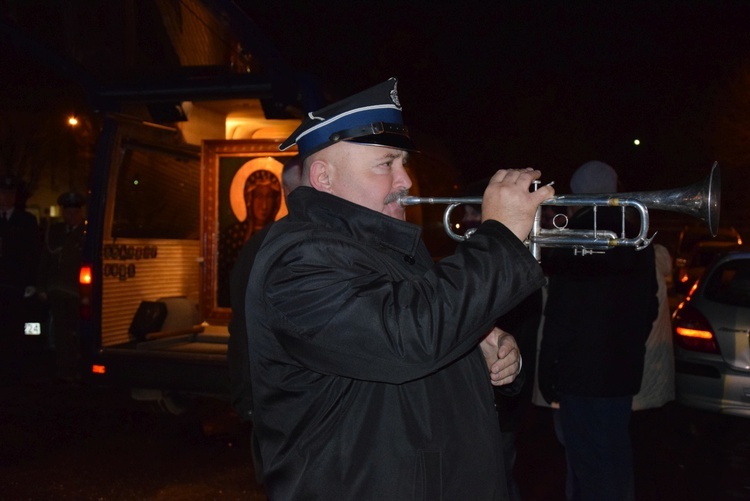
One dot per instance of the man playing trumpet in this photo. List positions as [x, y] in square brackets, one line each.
[372, 367]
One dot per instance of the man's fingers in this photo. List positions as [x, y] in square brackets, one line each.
[543, 193]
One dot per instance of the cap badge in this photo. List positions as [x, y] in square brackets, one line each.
[394, 95]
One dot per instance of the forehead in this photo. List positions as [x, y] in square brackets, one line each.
[387, 153]
[355, 151]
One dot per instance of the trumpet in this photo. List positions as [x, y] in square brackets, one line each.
[701, 200]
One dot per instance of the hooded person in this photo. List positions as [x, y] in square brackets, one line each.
[594, 177]
[597, 317]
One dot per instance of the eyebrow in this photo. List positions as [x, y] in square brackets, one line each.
[391, 156]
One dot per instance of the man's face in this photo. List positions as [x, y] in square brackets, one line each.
[371, 176]
[7, 199]
[72, 215]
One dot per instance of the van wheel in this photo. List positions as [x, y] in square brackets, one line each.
[161, 401]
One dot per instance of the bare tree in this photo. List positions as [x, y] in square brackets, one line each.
[40, 147]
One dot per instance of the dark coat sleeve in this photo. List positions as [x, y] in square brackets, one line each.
[340, 308]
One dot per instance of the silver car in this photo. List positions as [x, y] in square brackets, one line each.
[711, 329]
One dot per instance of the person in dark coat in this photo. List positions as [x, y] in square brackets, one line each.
[237, 352]
[58, 282]
[371, 365]
[598, 315]
[19, 258]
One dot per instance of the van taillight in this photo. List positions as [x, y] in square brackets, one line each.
[84, 277]
[84, 285]
[692, 331]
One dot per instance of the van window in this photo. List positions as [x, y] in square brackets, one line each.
[158, 195]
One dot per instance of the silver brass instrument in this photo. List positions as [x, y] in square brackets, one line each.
[701, 200]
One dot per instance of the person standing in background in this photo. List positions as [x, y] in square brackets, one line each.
[657, 387]
[599, 312]
[19, 258]
[237, 352]
[58, 282]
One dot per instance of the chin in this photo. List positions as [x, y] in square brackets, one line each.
[395, 212]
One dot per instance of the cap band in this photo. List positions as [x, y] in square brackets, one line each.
[322, 133]
[371, 117]
[370, 130]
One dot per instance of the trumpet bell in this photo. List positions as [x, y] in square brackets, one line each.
[701, 200]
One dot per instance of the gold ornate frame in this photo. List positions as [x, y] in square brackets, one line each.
[226, 165]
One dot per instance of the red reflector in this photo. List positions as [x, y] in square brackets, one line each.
[98, 369]
[84, 277]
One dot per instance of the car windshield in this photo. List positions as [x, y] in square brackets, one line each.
[704, 257]
[689, 239]
[730, 283]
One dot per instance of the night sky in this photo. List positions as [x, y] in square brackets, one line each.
[511, 84]
[544, 84]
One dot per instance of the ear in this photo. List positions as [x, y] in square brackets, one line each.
[320, 176]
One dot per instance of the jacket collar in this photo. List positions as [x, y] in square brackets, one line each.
[354, 220]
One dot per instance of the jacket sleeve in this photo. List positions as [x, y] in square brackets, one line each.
[343, 308]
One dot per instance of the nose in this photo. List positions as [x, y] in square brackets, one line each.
[401, 179]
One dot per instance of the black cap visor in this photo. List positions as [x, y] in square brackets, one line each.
[378, 134]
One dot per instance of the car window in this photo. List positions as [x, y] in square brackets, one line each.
[730, 283]
[703, 259]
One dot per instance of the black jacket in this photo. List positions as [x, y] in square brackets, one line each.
[60, 263]
[367, 380]
[237, 357]
[597, 317]
[19, 250]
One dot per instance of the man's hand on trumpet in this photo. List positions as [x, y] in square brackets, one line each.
[502, 356]
[508, 199]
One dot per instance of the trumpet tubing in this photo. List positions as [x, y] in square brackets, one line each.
[701, 200]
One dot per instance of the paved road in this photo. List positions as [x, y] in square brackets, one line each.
[62, 442]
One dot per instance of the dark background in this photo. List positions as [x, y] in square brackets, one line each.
[484, 85]
[492, 84]
[544, 84]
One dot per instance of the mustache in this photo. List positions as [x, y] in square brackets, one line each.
[395, 196]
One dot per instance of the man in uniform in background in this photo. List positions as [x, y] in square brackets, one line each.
[19, 256]
[58, 282]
